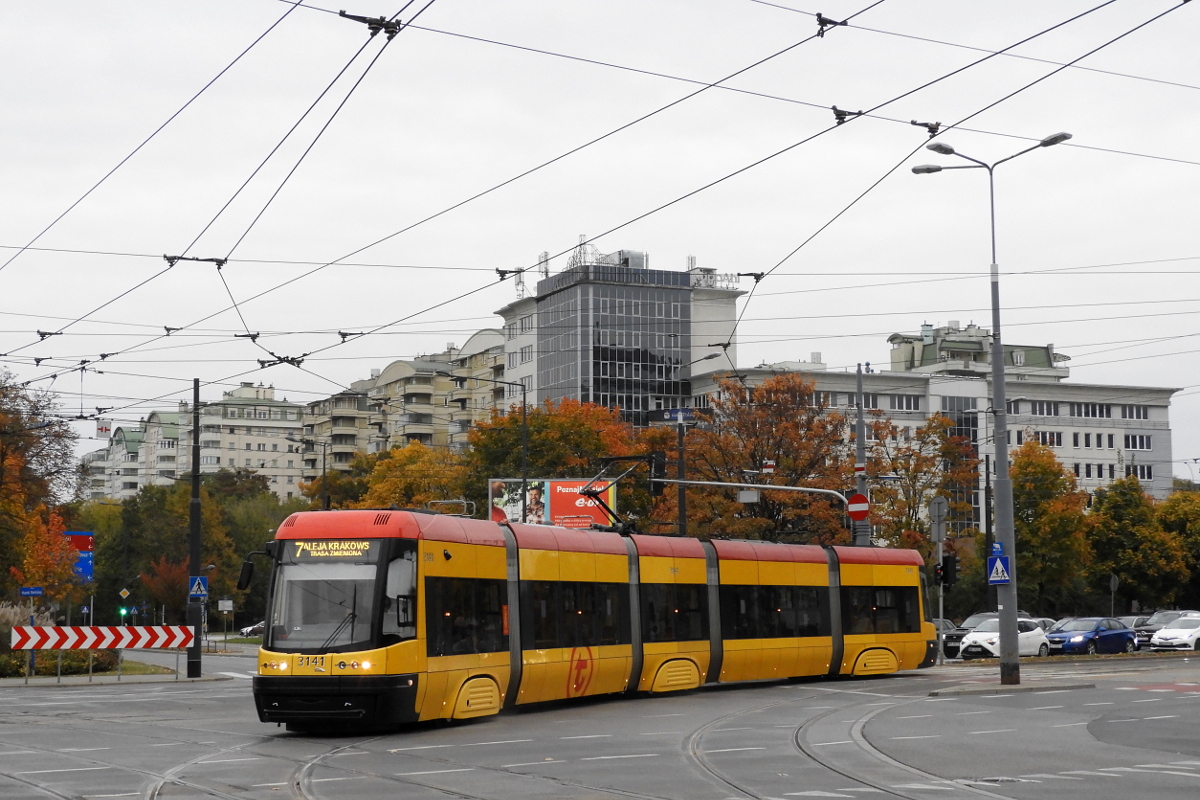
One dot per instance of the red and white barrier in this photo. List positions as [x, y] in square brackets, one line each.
[97, 637]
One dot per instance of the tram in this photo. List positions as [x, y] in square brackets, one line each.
[387, 616]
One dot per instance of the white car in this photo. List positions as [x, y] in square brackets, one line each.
[1181, 634]
[984, 641]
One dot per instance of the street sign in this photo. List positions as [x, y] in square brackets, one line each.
[83, 637]
[31, 591]
[998, 570]
[938, 508]
[83, 610]
[199, 587]
[225, 605]
[768, 468]
[997, 548]
[672, 416]
[1113, 582]
[124, 593]
[858, 506]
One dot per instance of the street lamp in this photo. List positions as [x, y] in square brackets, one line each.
[1010, 663]
[324, 471]
[524, 430]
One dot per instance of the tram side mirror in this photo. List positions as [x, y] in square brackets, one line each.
[246, 575]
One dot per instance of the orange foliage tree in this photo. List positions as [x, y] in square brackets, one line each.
[47, 557]
[782, 420]
[167, 584]
[413, 475]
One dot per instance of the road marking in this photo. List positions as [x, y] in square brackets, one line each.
[735, 749]
[823, 744]
[81, 749]
[1123, 720]
[343, 778]
[229, 760]
[1147, 700]
[256, 785]
[1091, 772]
[72, 769]
[652, 716]
[926, 786]
[434, 772]
[1044, 708]
[422, 747]
[966, 713]
[816, 794]
[1069, 725]
[21, 752]
[916, 716]
[168, 744]
[606, 758]
[1054, 691]
[503, 741]
[886, 703]
[589, 736]
[722, 730]
[663, 733]
[1098, 704]
[1002, 730]
[1047, 775]
[1165, 716]
[930, 736]
[127, 794]
[532, 764]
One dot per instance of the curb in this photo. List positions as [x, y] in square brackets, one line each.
[1047, 687]
[77, 681]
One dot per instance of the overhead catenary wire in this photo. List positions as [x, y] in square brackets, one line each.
[146, 141]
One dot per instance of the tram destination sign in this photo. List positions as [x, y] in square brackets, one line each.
[321, 549]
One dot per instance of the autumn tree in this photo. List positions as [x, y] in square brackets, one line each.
[782, 420]
[1180, 514]
[1050, 528]
[567, 439]
[932, 461]
[38, 470]
[166, 583]
[1130, 542]
[346, 488]
[47, 558]
[414, 475]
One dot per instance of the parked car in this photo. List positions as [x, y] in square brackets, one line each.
[943, 625]
[1046, 623]
[1091, 635]
[1181, 634]
[984, 641]
[255, 629]
[952, 640]
[1157, 621]
[1135, 622]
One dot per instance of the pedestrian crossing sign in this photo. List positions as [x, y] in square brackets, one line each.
[998, 570]
[199, 587]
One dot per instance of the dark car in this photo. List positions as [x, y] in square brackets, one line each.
[1157, 622]
[1091, 635]
[254, 630]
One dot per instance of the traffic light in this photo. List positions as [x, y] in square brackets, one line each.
[124, 611]
[937, 575]
[658, 469]
[949, 569]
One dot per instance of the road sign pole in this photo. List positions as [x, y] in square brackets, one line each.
[193, 606]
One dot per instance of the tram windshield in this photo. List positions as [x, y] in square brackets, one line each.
[324, 596]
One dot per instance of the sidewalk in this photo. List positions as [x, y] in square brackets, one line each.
[208, 668]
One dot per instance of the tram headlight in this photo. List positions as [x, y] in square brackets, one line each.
[366, 665]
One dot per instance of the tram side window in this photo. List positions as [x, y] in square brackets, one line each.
[674, 612]
[771, 612]
[573, 614]
[400, 600]
[880, 609]
[465, 615]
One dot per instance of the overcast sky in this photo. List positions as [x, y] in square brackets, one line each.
[1097, 238]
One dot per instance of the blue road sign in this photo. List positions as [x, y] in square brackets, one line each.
[198, 587]
[31, 591]
[997, 549]
[85, 566]
[998, 573]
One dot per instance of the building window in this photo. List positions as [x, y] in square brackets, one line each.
[1135, 412]
[1112, 438]
[1018, 357]
[958, 404]
[1075, 440]
[1050, 438]
[1087, 470]
[1091, 410]
[1112, 471]
[1077, 473]
[526, 323]
[527, 354]
[1043, 408]
[512, 360]
[1087, 440]
[210, 460]
[1013, 406]
[1143, 472]
[906, 402]
[1137, 441]
[510, 330]
[262, 445]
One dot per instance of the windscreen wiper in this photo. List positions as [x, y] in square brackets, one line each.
[347, 620]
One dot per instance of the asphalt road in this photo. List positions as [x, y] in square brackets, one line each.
[1136, 732]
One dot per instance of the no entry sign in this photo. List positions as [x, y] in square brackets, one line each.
[858, 506]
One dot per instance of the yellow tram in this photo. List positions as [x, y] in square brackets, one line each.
[385, 616]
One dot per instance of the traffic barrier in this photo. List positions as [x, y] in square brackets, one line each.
[99, 637]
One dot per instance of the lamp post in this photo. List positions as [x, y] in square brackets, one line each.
[1010, 664]
[524, 430]
[324, 470]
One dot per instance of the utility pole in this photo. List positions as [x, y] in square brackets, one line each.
[862, 528]
[194, 606]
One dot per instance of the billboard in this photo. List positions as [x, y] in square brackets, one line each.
[549, 501]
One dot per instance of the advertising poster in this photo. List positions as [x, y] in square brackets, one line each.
[548, 502]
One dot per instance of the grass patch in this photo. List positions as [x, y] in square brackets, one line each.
[139, 668]
[241, 640]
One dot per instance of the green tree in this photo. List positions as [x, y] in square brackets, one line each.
[1180, 514]
[1051, 528]
[346, 487]
[1129, 541]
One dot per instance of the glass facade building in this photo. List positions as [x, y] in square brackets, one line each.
[615, 335]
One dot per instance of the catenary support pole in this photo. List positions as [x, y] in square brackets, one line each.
[194, 606]
[862, 528]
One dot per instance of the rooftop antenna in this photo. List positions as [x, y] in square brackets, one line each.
[544, 263]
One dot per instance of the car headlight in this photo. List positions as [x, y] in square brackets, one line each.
[1077, 638]
[990, 641]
